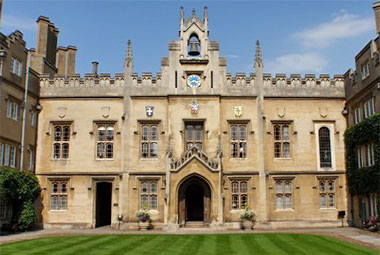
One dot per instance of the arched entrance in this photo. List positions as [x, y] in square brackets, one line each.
[194, 200]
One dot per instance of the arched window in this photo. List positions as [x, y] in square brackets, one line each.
[104, 143]
[324, 147]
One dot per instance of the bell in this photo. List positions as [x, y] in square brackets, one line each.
[194, 49]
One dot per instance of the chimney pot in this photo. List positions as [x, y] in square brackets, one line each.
[376, 9]
[95, 67]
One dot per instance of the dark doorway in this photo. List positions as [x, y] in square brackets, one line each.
[194, 203]
[103, 203]
[194, 200]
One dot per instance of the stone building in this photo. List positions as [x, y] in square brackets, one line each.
[362, 90]
[194, 144]
[19, 97]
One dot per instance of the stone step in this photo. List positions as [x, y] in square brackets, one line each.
[195, 224]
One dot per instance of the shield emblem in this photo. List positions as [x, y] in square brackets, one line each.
[62, 112]
[149, 111]
[106, 111]
[238, 110]
[281, 111]
[194, 106]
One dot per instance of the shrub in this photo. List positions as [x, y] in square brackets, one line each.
[22, 189]
[247, 214]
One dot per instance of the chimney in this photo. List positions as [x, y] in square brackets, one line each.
[47, 36]
[61, 60]
[95, 67]
[376, 8]
[70, 59]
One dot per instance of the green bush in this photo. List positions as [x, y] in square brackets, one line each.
[22, 189]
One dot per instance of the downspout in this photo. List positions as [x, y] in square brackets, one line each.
[24, 111]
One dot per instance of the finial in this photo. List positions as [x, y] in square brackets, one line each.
[194, 12]
[205, 13]
[128, 62]
[181, 13]
[258, 57]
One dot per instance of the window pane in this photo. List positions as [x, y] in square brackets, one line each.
[55, 188]
[144, 201]
[65, 150]
[324, 147]
[286, 150]
[323, 201]
[277, 150]
[234, 150]
[144, 187]
[235, 201]
[288, 202]
[331, 186]
[145, 133]
[63, 188]
[243, 201]
[63, 203]
[331, 201]
[198, 132]
[278, 187]
[243, 132]
[101, 133]
[189, 132]
[277, 132]
[242, 149]
[233, 133]
[66, 133]
[153, 187]
[285, 132]
[243, 186]
[144, 150]
[235, 187]
[153, 150]
[109, 133]
[153, 202]
[54, 203]
[279, 202]
[322, 187]
[57, 133]
[287, 187]
[57, 150]
[109, 150]
[100, 150]
[154, 132]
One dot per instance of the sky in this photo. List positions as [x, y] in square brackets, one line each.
[306, 36]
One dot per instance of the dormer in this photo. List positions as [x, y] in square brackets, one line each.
[193, 36]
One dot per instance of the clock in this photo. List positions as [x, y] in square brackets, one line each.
[193, 81]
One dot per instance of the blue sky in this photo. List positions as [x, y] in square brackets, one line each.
[295, 36]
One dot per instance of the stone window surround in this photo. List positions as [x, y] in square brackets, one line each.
[331, 126]
[335, 179]
[229, 186]
[293, 186]
[50, 181]
[94, 131]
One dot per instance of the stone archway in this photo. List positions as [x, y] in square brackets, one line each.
[194, 200]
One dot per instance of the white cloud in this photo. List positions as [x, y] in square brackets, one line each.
[297, 63]
[344, 25]
[11, 22]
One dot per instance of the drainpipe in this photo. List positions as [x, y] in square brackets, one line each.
[25, 109]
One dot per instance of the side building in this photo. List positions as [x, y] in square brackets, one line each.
[362, 89]
[20, 68]
[193, 144]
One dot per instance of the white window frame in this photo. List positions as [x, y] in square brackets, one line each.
[283, 193]
[330, 126]
[359, 155]
[365, 70]
[13, 109]
[13, 156]
[2, 153]
[16, 67]
[108, 154]
[357, 116]
[31, 156]
[33, 118]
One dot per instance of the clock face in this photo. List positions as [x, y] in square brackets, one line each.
[194, 81]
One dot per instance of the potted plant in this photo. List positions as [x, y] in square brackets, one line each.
[144, 218]
[247, 218]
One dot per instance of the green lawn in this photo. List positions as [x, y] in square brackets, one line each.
[186, 244]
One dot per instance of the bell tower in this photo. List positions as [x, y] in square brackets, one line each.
[193, 36]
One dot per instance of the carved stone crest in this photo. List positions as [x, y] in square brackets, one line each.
[281, 111]
[149, 110]
[194, 106]
[238, 111]
[106, 111]
[62, 112]
[323, 112]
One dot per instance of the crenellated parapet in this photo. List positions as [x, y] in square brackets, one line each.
[146, 80]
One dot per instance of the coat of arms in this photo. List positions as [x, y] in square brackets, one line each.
[194, 106]
[149, 111]
[238, 110]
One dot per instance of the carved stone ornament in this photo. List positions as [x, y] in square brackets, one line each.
[106, 111]
[281, 111]
[323, 112]
[62, 112]
[194, 106]
[238, 111]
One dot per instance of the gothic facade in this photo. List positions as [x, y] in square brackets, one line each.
[193, 144]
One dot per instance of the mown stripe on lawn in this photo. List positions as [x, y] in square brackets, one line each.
[192, 245]
[290, 245]
[86, 247]
[252, 244]
[223, 244]
[339, 245]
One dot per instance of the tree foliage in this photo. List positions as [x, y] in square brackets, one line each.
[21, 188]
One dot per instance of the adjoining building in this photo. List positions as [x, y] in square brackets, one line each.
[194, 144]
[19, 97]
[362, 89]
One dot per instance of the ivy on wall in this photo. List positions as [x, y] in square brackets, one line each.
[21, 188]
[366, 179]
